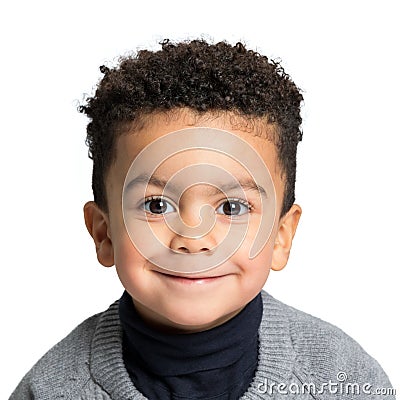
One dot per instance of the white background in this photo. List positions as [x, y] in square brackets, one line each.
[345, 261]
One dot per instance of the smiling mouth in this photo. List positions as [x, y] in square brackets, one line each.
[191, 280]
[194, 277]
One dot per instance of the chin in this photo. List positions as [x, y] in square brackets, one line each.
[196, 318]
[198, 325]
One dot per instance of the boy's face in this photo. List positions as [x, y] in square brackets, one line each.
[176, 301]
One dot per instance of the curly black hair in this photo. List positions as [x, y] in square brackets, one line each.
[200, 76]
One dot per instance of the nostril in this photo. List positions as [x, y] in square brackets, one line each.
[186, 250]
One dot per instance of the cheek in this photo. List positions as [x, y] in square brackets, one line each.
[259, 247]
[123, 247]
[254, 271]
[129, 262]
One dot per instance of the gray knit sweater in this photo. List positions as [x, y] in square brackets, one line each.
[300, 357]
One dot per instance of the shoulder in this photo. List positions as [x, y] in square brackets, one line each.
[324, 352]
[64, 370]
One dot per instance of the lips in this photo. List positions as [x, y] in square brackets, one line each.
[192, 276]
[191, 281]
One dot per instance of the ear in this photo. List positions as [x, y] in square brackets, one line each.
[283, 241]
[97, 223]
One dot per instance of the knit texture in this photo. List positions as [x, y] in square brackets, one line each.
[295, 350]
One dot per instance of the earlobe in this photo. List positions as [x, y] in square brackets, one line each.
[97, 224]
[284, 237]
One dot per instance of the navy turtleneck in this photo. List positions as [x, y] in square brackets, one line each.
[216, 364]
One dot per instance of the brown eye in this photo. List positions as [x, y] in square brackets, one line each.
[234, 208]
[158, 206]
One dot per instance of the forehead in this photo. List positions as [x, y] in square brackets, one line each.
[158, 126]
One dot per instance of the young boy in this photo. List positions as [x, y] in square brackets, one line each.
[194, 162]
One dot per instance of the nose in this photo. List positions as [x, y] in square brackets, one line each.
[184, 244]
[185, 241]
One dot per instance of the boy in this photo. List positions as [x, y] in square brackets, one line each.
[194, 161]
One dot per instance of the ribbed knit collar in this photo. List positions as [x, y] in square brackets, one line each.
[276, 354]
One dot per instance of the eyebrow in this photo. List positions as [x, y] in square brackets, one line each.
[153, 180]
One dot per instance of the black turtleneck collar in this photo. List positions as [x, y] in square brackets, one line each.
[218, 363]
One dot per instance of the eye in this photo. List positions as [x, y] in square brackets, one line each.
[234, 207]
[158, 205]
